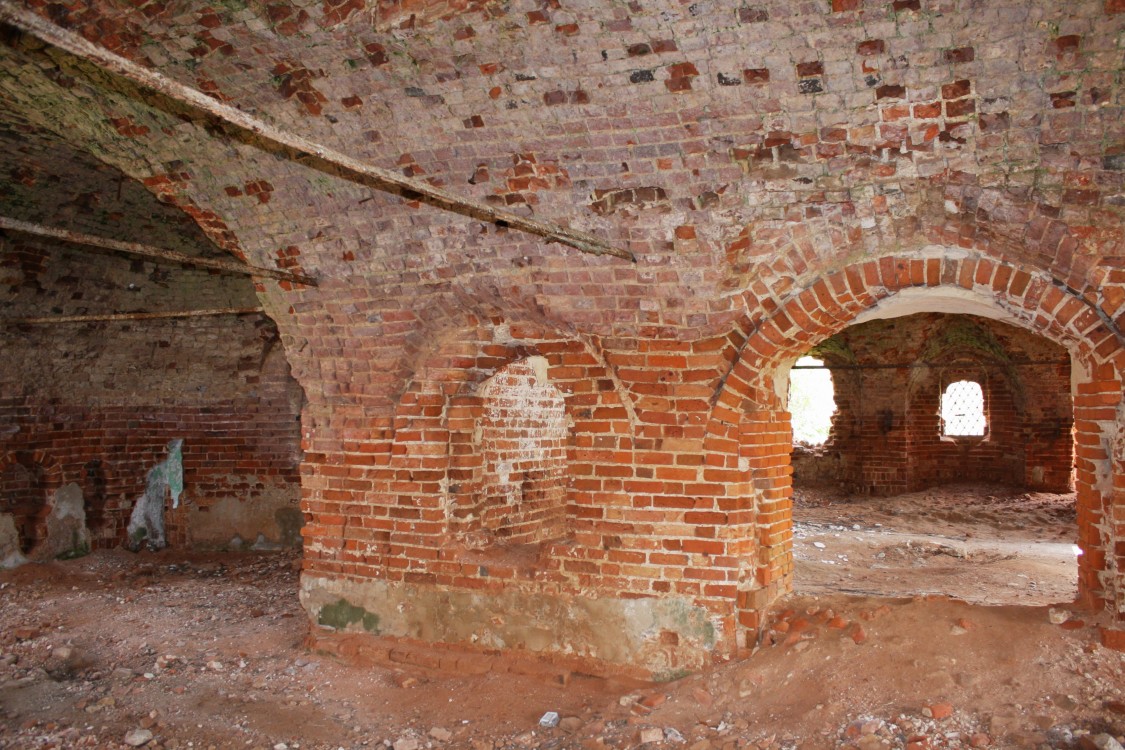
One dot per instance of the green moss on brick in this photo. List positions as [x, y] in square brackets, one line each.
[343, 613]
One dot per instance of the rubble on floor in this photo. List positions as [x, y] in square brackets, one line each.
[170, 651]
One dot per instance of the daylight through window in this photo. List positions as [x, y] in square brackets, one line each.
[962, 409]
[811, 402]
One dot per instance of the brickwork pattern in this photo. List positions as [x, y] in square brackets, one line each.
[98, 402]
[777, 168]
[24, 496]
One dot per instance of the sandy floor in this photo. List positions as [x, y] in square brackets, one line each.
[987, 545]
[205, 652]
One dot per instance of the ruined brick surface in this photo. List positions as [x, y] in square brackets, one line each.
[95, 403]
[512, 479]
[777, 169]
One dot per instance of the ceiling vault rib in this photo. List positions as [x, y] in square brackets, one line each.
[300, 149]
[148, 251]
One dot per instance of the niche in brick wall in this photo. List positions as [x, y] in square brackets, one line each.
[23, 494]
[520, 440]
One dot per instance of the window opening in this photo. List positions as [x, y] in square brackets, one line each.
[962, 409]
[812, 401]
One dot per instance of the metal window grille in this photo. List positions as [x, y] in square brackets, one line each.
[962, 409]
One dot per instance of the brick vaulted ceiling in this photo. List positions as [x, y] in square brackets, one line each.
[739, 152]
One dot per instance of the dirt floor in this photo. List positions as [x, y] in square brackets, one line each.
[170, 650]
[982, 544]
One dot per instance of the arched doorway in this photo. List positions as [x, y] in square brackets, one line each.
[949, 464]
[933, 280]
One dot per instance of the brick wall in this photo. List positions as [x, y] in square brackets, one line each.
[887, 434]
[95, 403]
[242, 450]
[778, 169]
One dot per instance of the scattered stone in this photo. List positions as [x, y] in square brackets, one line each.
[10, 554]
[870, 742]
[966, 679]
[404, 681]
[138, 737]
[570, 724]
[941, 710]
[67, 535]
[407, 743]
[648, 734]
[549, 720]
[1057, 616]
[441, 734]
[1106, 742]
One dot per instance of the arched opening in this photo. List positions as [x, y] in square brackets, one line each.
[96, 400]
[949, 470]
[23, 496]
[948, 282]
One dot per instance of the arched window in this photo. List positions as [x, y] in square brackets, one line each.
[811, 401]
[962, 410]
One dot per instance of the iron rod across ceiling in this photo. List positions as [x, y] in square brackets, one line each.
[96, 318]
[148, 251]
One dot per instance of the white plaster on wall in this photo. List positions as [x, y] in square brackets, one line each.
[941, 299]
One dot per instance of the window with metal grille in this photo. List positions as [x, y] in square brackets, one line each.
[962, 409]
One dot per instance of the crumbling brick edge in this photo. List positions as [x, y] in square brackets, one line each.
[1113, 638]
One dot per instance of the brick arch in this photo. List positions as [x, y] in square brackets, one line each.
[749, 402]
[48, 478]
[1032, 299]
[52, 469]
